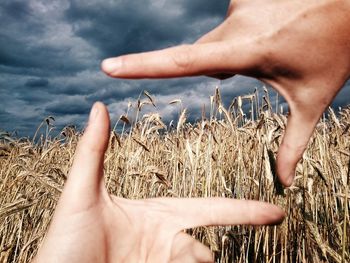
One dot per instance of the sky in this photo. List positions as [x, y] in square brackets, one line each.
[51, 50]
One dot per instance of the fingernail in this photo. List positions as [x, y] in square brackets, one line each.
[94, 112]
[111, 65]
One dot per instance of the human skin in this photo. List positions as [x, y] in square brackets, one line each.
[90, 225]
[300, 48]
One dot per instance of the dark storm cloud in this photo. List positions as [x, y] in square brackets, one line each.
[69, 106]
[37, 83]
[5, 117]
[15, 8]
[30, 41]
[128, 26]
[40, 60]
[33, 97]
[198, 9]
[11, 122]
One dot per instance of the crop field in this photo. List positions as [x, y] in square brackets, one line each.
[229, 153]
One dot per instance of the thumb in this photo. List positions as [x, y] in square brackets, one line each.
[301, 123]
[85, 177]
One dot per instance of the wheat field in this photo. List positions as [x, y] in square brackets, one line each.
[229, 153]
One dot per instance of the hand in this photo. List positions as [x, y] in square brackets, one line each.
[89, 225]
[301, 48]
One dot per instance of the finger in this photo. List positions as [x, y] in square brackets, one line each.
[86, 174]
[187, 249]
[194, 212]
[301, 124]
[186, 60]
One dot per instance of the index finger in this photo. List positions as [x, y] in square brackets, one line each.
[194, 212]
[180, 61]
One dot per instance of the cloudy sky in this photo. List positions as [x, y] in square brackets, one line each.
[50, 54]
